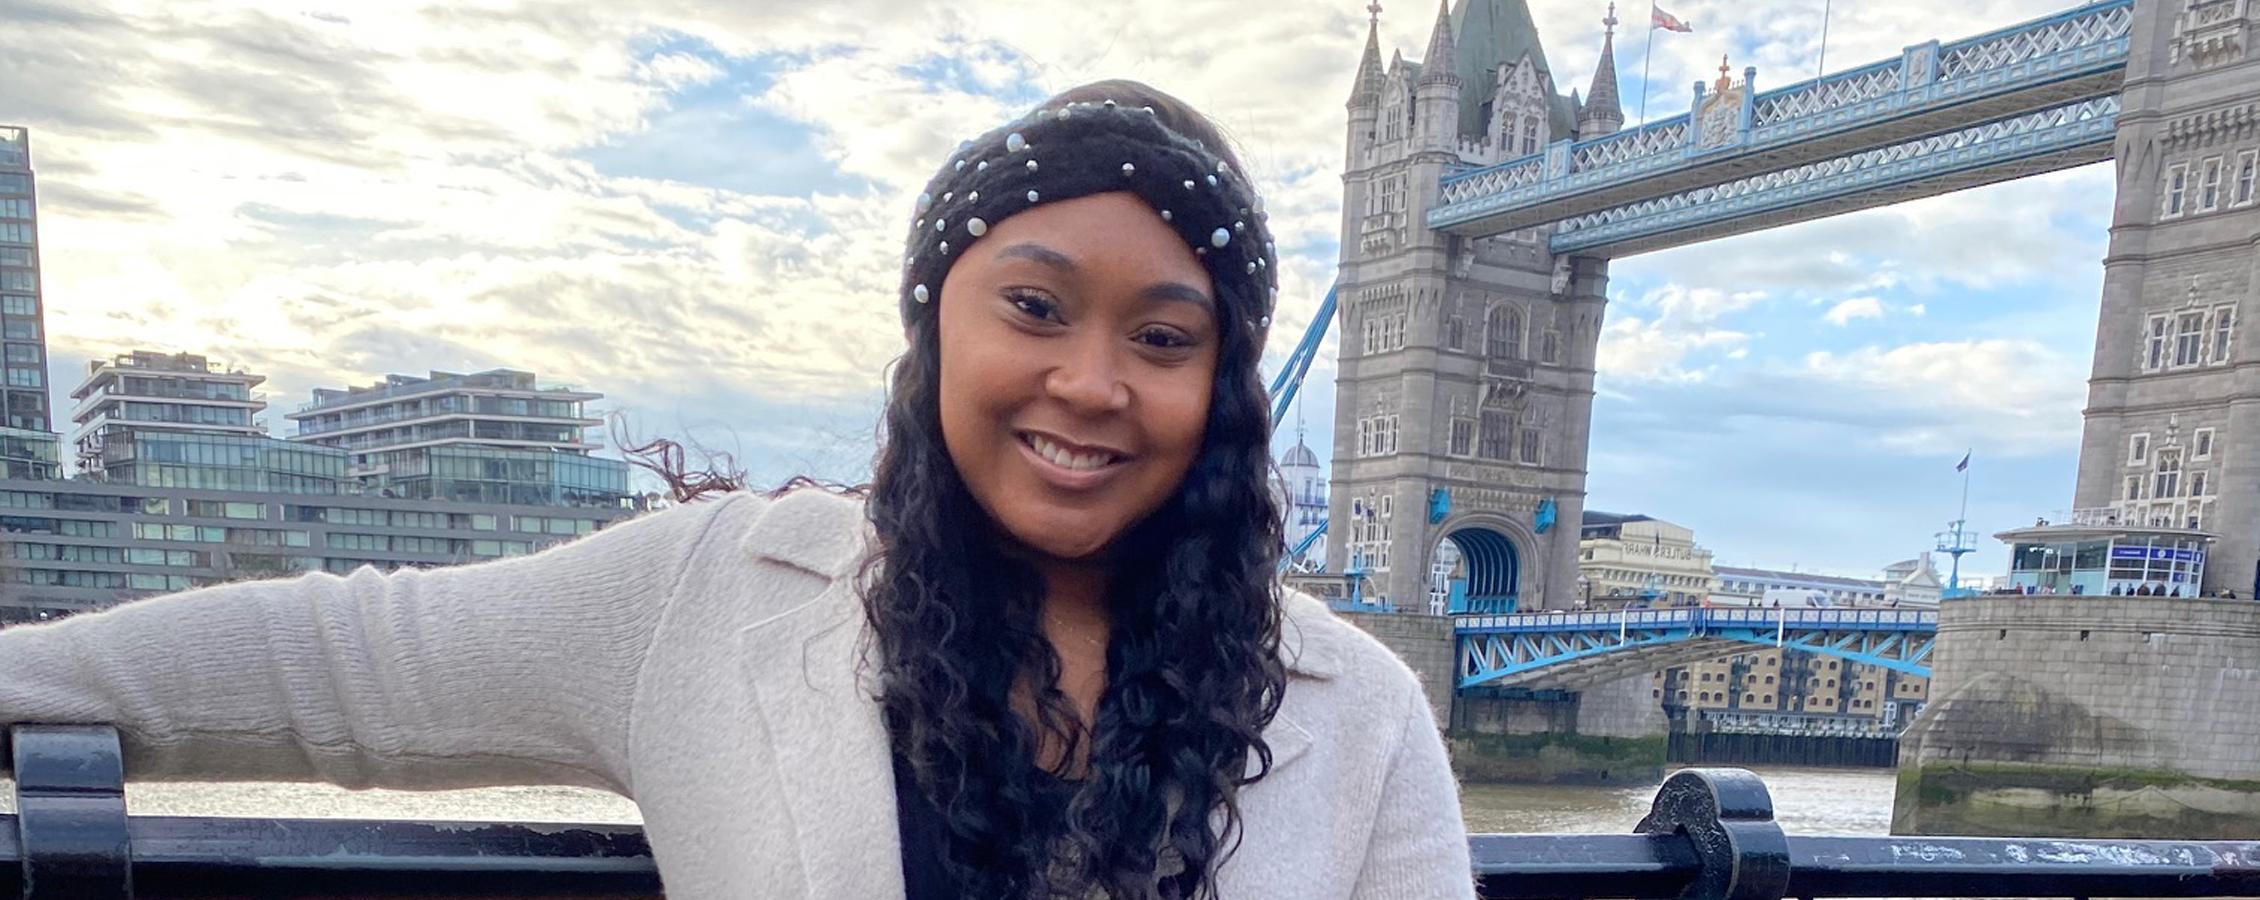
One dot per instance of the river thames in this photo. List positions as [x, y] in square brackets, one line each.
[1806, 801]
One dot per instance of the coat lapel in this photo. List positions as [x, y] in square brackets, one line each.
[831, 748]
[823, 721]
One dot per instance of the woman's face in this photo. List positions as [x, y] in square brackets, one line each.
[1079, 345]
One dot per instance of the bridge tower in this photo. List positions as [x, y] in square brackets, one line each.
[1466, 385]
[2172, 430]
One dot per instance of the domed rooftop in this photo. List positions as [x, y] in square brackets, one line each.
[1298, 455]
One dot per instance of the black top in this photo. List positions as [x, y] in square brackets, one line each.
[925, 832]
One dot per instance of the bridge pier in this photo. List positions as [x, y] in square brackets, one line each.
[2088, 716]
[1609, 733]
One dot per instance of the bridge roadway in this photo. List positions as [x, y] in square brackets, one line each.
[2033, 97]
[1574, 649]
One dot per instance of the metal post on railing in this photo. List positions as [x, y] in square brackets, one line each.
[71, 813]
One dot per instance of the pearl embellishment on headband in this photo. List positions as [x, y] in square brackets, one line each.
[1188, 185]
[960, 167]
[1212, 181]
[1251, 266]
[918, 293]
[945, 248]
[925, 201]
[983, 167]
[1031, 196]
[977, 227]
[1165, 215]
[941, 224]
[1220, 238]
[1014, 143]
[974, 197]
[1129, 170]
[1031, 166]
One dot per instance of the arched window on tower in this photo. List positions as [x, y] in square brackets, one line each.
[1503, 331]
[1529, 136]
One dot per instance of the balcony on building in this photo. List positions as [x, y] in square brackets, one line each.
[181, 420]
[488, 437]
[2107, 551]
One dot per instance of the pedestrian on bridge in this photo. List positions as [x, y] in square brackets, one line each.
[1044, 654]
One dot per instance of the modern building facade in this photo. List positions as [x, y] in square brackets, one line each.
[1466, 380]
[179, 420]
[74, 546]
[1635, 560]
[488, 437]
[23, 327]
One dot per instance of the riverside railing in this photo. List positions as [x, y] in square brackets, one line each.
[1710, 835]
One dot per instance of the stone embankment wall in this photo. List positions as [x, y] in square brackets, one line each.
[2088, 716]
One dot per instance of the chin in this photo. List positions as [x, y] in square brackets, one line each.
[1062, 537]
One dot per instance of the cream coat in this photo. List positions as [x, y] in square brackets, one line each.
[703, 661]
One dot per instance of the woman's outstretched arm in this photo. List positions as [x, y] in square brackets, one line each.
[516, 671]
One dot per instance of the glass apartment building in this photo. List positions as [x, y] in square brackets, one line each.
[179, 420]
[75, 546]
[488, 437]
[23, 335]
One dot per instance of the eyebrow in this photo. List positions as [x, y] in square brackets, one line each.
[1176, 291]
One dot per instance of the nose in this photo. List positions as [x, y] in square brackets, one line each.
[1089, 377]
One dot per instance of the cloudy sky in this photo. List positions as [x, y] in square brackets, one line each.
[695, 208]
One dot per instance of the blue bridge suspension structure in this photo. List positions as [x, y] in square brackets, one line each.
[1570, 650]
[2033, 97]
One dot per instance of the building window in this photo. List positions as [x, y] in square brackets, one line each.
[2224, 325]
[2134, 488]
[1529, 136]
[1503, 329]
[1552, 351]
[1463, 437]
[2177, 184]
[2201, 444]
[2197, 484]
[1455, 333]
[2154, 356]
[2166, 482]
[2209, 186]
[1530, 446]
[1496, 437]
[18, 305]
[2247, 169]
[2189, 338]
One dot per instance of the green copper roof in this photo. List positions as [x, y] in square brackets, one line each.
[1492, 34]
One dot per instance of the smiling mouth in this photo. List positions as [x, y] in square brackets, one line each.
[1071, 459]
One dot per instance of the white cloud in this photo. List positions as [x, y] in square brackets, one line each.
[1679, 323]
[1856, 308]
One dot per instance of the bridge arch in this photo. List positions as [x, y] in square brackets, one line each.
[1490, 571]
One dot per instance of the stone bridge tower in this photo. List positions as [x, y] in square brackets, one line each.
[2172, 435]
[1466, 385]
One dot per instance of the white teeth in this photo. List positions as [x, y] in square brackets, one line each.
[1064, 459]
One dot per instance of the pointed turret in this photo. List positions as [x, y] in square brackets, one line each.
[1441, 65]
[1367, 90]
[1602, 115]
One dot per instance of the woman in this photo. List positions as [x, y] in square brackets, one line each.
[1047, 656]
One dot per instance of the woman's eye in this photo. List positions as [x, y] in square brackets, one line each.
[1034, 305]
[1164, 338]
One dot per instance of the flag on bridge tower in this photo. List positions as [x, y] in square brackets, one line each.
[1666, 21]
[1964, 465]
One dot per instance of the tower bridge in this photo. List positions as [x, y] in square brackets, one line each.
[1482, 203]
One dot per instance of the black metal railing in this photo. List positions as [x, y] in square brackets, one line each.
[1711, 835]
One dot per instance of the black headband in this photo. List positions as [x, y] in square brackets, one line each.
[1093, 148]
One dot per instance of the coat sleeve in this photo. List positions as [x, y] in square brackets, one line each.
[1419, 843]
[518, 671]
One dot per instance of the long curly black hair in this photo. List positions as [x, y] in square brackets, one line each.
[1193, 670]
